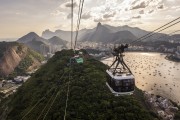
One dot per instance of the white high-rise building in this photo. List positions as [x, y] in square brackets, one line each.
[44, 49]
[178, 49]
[1, 84]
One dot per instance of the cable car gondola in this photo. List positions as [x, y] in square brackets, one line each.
[120, 79]
[77, 58]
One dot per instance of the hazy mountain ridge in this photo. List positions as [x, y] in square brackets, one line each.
[107, 30]
[35, 42]
[57, 41]
[35, 45]
[105, 35]
[29, 37]
[14, 54]
[65, 35]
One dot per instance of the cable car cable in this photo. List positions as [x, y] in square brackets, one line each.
[67, 98]
[51, 105]
[34, 106]
[79, 9]
[156, 29]
[72, 2]
[38, 102]
[78, 24]
[46, 105]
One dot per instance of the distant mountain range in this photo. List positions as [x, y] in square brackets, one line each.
[101, 33]
[107, 34]
[35, 42]
[29, 37]
[57, 41]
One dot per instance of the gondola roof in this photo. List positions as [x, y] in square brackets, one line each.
[120, 76]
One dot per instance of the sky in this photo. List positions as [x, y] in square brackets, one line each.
[18, 17]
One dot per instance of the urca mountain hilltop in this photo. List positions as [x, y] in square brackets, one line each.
[44, 95]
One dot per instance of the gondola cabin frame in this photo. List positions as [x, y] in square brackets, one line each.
[120, 83]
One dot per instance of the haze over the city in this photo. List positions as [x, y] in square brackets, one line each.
[18, 17]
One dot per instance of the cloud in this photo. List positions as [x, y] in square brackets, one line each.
[175, 7]
[169, 17]
[57, 13]
[69, 16]
[58, 26]
[150, 11]
[108, 15]
[86, 15]
[126, 9]
[141, 12]
[136, 17]
[134, 2]
[107, 9]
[66, 6]
[20, 13]
[135, 23]
[138, 6]
[101, 20]
[160, 6]
[69, 4]
[127, 20]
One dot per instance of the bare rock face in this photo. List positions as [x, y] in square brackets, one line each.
[12, 57]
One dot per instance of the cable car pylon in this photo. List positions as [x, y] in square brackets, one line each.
[120, 79]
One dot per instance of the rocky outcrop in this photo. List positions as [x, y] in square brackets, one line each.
[12, 57]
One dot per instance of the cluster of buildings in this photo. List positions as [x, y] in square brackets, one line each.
[161, 106]
[174, 52]
[99, 55]
[8, 87]
[177, 53]
[174, 55]
[49, 50]
[95, 45]
[103, 46]
[163, 48]
[141, 48]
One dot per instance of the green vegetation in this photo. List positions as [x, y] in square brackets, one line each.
[23, 65]
[89, 97]
[36, 55]
[177, 115]
[27, 62]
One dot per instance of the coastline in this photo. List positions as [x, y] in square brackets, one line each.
[154, 76]
[172, 58]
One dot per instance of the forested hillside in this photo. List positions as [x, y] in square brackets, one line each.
[89, 97]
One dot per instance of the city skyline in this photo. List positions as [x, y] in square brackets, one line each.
[19, 17]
